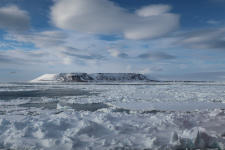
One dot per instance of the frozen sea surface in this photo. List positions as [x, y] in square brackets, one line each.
[164, 115]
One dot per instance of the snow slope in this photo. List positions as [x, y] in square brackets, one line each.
[65, 77]
[95, 77]
[46, 77]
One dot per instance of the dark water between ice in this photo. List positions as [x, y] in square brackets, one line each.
[55, 96]
[26, 90]
[50, 93]
[35, 92]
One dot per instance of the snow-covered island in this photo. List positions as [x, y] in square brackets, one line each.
[94, 77]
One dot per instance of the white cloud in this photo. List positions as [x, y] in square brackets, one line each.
[213, 22]
[104, 17]
[153, 10]
[145, 71]
[151, 70]
[116, 53]
[129, 68]
[13, 18]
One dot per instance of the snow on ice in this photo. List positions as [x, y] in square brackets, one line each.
[156, 115]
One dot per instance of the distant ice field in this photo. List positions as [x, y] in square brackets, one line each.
[154, 115]
[189, 96]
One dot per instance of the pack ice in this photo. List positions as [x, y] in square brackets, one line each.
[153, 115]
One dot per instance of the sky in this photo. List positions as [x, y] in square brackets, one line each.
[167, 39]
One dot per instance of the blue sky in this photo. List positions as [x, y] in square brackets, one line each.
[168, 39]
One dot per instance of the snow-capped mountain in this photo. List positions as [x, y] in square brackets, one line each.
[95, 77]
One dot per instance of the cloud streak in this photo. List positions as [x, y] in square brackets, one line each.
[105, 17]
[39, 39]
[14, 19]
[204, 39]
[86, 57]
[18, 57]
[156, 56]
